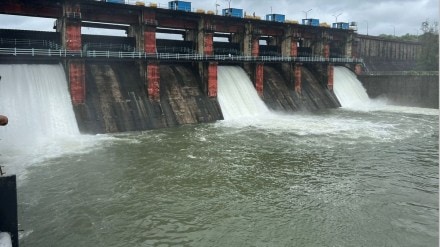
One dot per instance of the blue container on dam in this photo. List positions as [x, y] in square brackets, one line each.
[233, 12]
[275, 17]
[180, 5]
[115, 1]
[341, 25]
[311, 22]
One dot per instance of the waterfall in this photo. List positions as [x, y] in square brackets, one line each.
[236, 94]
[349, 90]
[36, 100]
[352, 95]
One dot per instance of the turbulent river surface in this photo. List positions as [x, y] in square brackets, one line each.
[334, 178]
[362, 175]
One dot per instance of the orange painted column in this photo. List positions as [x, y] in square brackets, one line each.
[255, 52]
[73, 42]
[326, 51]
[294, 48]
[72, 32]
[149, 20]
[153, 81]
[209, 44]
[77, 81]
[150, 39]
[73, 36]
[259, 75]
[212, 79]
[297, 71]
[330, 77]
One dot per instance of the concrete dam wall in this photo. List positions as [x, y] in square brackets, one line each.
[381, 54]
[388, 72]
[116, 98]
[279, 96]
[408, 90]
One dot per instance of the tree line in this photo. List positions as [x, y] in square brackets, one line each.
[428, 59]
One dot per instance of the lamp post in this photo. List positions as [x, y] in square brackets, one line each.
[229, 4]
[216, 5]
[228, 13]
[305, 12]
[336, 17]
[394, 29]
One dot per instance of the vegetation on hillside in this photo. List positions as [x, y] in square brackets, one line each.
[428, 59]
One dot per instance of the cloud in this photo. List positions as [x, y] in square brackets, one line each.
[382, 16]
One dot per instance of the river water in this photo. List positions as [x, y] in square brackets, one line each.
[342, 177]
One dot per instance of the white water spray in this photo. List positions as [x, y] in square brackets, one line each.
[349, 90]
[352, 95]
[237, 96]
[36, 100]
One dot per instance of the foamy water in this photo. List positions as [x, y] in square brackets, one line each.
[43, 126]
[243, 108]
[353, 96]
[237, 96]
[42, 123]
[259, 178]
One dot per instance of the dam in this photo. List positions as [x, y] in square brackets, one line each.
[270, 138]
[143, 82]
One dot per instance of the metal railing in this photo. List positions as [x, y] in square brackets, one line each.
[73, 15]
[168, 56]
[107, 46]
[401, 73]
[167, 49]
[29, 42]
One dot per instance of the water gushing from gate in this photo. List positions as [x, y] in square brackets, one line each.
[237, 95]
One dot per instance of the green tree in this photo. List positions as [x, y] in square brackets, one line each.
[428, 58]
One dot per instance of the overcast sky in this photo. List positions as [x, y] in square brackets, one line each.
[381, 16]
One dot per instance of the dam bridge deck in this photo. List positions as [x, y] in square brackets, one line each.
[177, 57]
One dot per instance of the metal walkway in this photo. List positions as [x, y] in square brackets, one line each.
[62, 53]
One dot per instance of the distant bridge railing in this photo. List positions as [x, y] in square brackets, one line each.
[402, 73]
[167, 56]
[29, 42]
